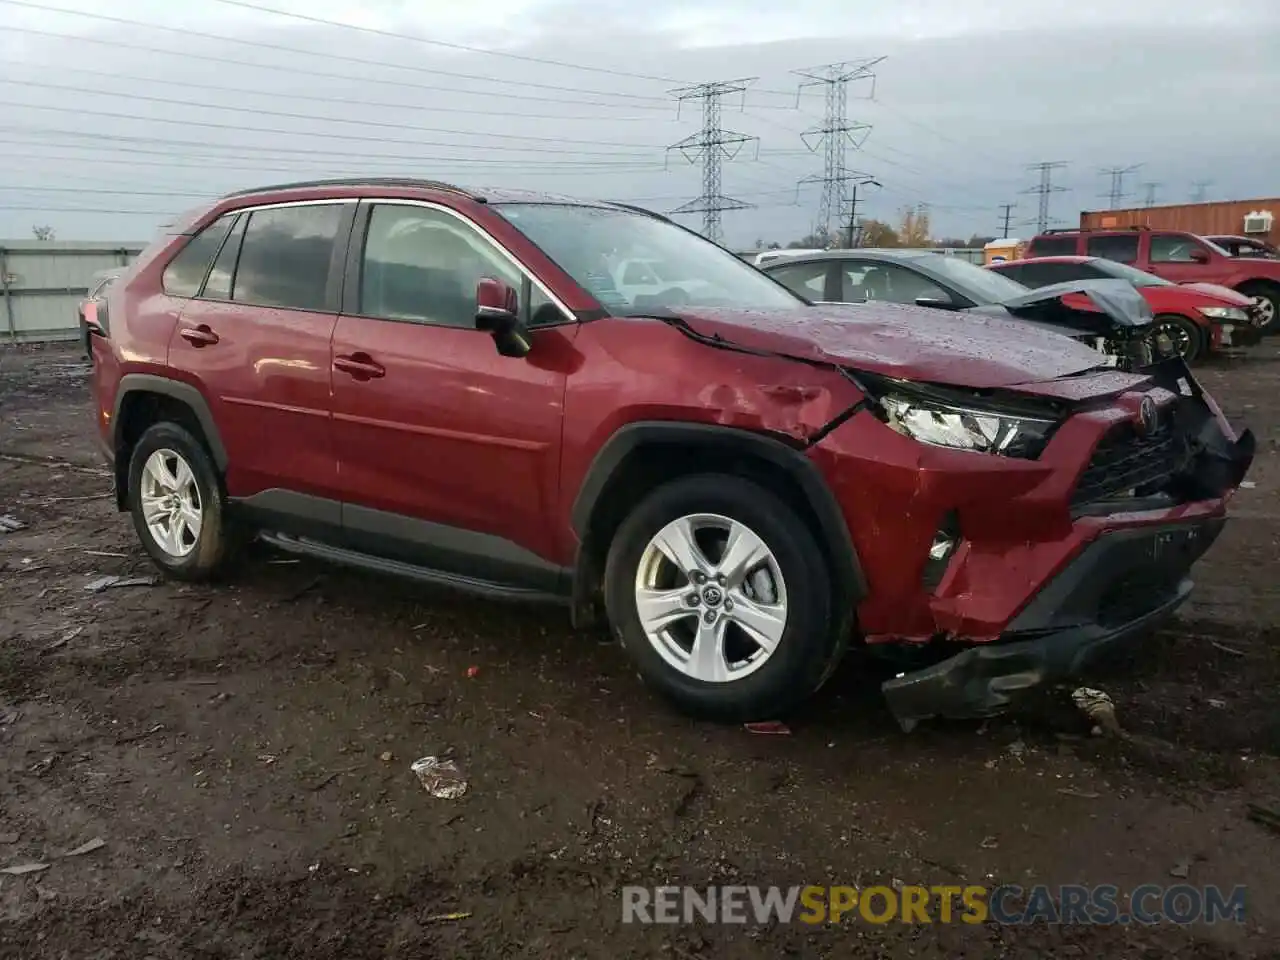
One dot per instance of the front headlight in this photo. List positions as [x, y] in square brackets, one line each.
[1225, 313]
[962, 428]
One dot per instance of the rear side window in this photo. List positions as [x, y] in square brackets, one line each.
[218, 286]
[1120, 247]
[285, 256]
[1052, 247]
[185, 272]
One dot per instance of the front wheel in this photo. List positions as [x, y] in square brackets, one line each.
[721, 596]
[177, 505]
[1267, 299]
[1185, 334]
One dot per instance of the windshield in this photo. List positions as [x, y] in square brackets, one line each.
[979, 285]
[591, 244]
[1122, 271]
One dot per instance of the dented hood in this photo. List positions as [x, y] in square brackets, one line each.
[908, 342]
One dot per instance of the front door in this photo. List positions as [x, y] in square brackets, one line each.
[257, 336]
[448, 453]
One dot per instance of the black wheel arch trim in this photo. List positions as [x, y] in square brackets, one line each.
[833, 532]
[185, 393]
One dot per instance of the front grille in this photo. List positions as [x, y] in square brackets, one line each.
[1124, 462]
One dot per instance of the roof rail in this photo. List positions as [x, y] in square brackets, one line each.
[358, 182]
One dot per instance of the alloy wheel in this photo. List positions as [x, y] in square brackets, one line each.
[171, 503]
[1178, 335]
[711, 597]
[1266, 310]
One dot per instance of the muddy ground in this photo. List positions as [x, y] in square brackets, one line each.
[243, 752]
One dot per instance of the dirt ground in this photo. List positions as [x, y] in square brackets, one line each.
[243, 752]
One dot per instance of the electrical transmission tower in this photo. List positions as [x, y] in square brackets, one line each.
[1044, 189]
[712, 145]
[1149, 194]
[1200, 190]
[1117, 175]
[1005, 215]
[836, 133]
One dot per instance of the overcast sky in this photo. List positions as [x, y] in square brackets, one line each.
[109, 128]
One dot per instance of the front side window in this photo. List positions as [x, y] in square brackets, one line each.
[809, 280]
[185, 272]
[863, 280]
[423, 265]
[590, 243]
[1174, 248]
[286, 255]
[1122, 248]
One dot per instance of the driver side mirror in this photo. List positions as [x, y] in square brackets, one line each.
[498, 314]
[1199, 256]
[940, 300]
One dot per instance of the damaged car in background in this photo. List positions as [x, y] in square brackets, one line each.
[739, 482]
[1105, 314]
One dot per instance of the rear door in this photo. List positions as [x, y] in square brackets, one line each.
[256, 337]
[448, 453]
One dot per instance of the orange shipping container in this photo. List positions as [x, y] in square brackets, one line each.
[1219, 217]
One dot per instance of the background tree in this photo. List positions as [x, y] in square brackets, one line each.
[877, 233]
[42, 233]
[913, 231]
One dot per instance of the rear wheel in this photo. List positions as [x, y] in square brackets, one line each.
[177, 505]
[720, 594]
[1184, 333]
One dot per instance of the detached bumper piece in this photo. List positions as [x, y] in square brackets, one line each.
[1241, 334]
[1120, 586]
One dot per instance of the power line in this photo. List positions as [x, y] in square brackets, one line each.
[836, 132]
[344, 77]
[1006, 214]
[1149, 189]
[331, 55]
[854, 228]
[444, 43]
[209, 124]
[1200, 190]
[1117, 175]
[343, 101]
[288, 115]
[1044, 189]
[712, 145]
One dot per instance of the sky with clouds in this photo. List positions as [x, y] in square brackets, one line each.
[115, 117]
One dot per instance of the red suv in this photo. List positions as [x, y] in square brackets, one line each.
[418, 379]
[1173, 255]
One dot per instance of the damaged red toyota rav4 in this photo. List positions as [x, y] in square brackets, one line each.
[473, 389]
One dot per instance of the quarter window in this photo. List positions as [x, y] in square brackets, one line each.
[285, 256]
[423, 265]
[1114, 246]
[185, 272]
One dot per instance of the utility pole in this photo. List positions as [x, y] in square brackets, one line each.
[1044, 189]
[1117, 175]
[1149, 196]
[1200, 190]
[853, 204]
[1006, 216]
[836, 132]
[712, 145]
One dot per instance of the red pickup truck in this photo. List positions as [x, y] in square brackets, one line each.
[1173, 255]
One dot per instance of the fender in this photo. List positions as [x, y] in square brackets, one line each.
[184, 393]
[833, 532]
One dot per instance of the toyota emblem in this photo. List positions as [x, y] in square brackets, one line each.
[1146, 416]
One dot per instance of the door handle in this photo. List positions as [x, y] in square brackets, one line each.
[360, 366]
[200, 336]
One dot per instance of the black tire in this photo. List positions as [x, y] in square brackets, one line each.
[1272, 294]
[216, 541]
[1184, 329]
[804, 656]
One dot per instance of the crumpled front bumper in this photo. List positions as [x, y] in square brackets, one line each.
[1121, 585]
